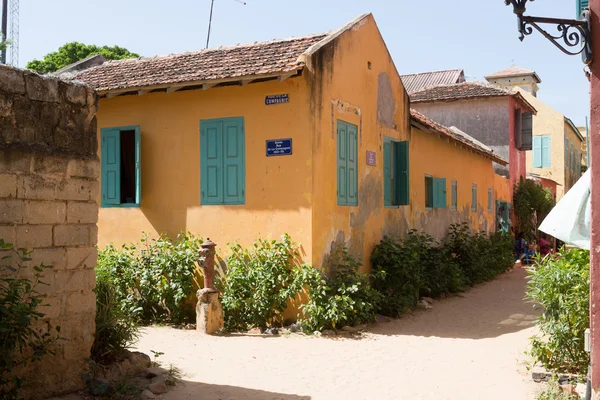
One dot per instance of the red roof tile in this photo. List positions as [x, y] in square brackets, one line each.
[277, 56]
[467, 90]
[447, 132]
[416, 82]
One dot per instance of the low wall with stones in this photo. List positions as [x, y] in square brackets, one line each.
[49, 174]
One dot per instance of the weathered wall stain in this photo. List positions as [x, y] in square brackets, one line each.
[386, 106]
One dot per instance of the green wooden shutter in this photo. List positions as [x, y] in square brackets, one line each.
[490, 199]
[138, 166]
[581, 5]
[474, 198]
[454, 195]
[402, 181]
[439, 193]
[545, 150]
[526, 131]
[234, 187]
[537, 152]
[387, 173]
[111, 166]
[342, 163]
[352, 165]
[211, 162]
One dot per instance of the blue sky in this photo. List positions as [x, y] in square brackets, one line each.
[478, 36]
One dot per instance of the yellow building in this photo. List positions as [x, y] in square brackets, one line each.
[557, 144]
[311, 136]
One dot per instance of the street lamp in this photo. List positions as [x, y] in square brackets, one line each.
[575, 33]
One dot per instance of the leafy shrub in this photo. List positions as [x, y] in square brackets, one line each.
[344, 298]
[399, 271]
[20, 342]
[560, 285]
[421, 265]
[258, 284]
[154, 280]
[115, 329]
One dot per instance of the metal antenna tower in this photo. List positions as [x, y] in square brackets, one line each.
[14, 33]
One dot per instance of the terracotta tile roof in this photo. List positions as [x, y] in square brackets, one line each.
[263, 58]
[417, 117]
[416, 82]
[467, 90]
[513, 71]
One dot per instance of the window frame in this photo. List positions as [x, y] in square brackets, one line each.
[138, 167]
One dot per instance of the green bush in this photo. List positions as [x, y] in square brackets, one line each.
[399, 271]
[560, 285]
[20, 342]
[259, 283]
[344, 298]
[421, 265]
[154, 280]
[116, 330]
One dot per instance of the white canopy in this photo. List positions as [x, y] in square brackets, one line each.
[569, 220]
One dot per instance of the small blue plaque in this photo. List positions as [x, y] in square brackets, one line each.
[279, 147]
[277, 99]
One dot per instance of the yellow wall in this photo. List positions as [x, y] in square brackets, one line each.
[351, 79]
[439, 158]
[502, 188]
[278, 189]
[548, 121]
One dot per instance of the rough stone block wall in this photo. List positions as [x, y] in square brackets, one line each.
[49, 175]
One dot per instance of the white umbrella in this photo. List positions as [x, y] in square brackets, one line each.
[569, 220]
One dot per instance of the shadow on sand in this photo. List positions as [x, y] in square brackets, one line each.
[486, 311]
[205, 391]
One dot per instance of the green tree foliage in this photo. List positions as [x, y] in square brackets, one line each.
[532, 203]
[560, 285]
[75, 51]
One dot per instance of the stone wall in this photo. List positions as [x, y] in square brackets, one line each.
[49, 175]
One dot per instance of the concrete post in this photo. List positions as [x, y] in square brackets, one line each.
[594, 134]
[209, 311]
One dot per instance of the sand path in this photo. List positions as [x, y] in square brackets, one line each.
[465, 347]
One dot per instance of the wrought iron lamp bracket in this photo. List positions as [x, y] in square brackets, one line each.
[573, 37]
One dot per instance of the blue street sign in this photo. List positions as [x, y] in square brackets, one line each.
[279, 147]
[277, 99]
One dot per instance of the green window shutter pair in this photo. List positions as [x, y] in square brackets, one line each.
[347, 164]
[222, 161]
[474, 198]
[110, 153]
[454, 195]
[541, 151]
[395, 173]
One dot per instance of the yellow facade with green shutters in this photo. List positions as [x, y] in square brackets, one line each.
[204, 165]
